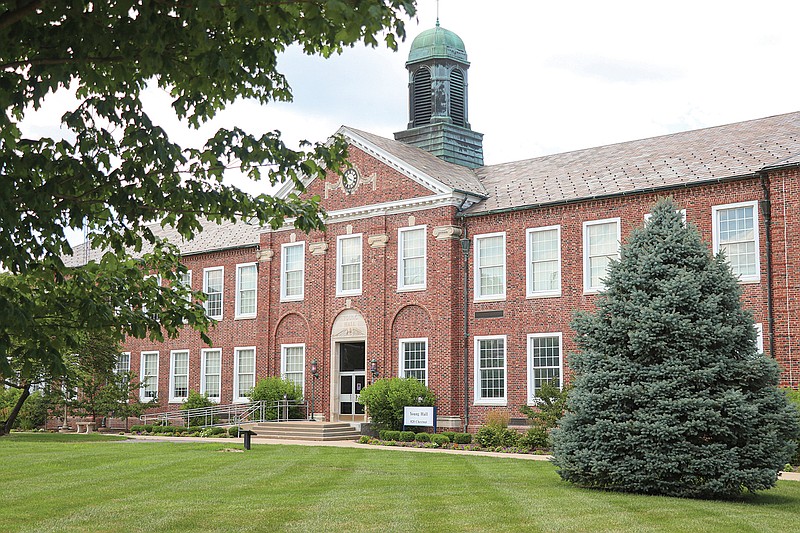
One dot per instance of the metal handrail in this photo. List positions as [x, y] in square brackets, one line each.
[232, 414]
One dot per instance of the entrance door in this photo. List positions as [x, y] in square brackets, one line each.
[352, 378]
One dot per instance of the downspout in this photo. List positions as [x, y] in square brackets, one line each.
[465, 244]
[766, 212]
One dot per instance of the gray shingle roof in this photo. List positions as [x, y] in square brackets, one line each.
[722, 152]
[214, 237]
[449, 174]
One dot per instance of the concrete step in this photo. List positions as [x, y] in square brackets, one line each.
[303, 430]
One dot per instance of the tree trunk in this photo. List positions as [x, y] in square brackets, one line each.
[12, 417]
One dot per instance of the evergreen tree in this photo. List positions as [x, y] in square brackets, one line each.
[671, 395]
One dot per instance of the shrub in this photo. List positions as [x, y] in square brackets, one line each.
[137, 428]
[195, 400]
[386, 398]
[422, 437]
[440, 439]
[794, 399]
[492, 437]
[551, 404]
[462, 438]
[216, 430]
[535, 437]
[450, 435]
[33, 413]
[148, 428]
[364, 439]
[392, 435]
[233, 431]
[271, 390]
[498, 419]
[407, 436]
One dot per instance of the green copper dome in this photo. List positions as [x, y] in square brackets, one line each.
[437, 43]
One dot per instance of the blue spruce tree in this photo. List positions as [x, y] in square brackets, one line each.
[671, 395]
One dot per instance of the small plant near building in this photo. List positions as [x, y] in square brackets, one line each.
[272, 390]
[386, 398]
[407, 436]
[422, 437]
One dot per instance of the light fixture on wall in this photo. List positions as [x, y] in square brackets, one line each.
[373, 368]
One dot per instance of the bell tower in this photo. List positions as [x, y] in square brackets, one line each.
[437, 99]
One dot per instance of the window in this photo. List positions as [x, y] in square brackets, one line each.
[760, 337]
[490, 266]
[414, 359]
[490, 370]
[293, 271]
[149, 376]
[123, 364]
[544, 361]
[246, 285]
[178, 376]
[186, 281]
[736, 234]
[544, 261]
[348, 265]
[212, 286]
[411, 253]
[293, 363]
[210, 373]
[600, 245]
[244, 373]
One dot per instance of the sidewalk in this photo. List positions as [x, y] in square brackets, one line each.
[791, 476]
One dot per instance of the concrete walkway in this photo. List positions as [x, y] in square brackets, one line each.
[792, 476]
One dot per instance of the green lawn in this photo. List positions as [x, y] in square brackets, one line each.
[75, 483]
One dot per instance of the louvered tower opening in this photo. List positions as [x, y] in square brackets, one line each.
[421, 103]
[458, 104]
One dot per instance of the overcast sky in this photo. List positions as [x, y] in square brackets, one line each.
[546, 77]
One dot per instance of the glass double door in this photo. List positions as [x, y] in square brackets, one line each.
[352, 378]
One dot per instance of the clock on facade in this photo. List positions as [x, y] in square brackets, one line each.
[349, 180]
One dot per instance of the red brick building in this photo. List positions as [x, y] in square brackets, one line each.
[465, 276]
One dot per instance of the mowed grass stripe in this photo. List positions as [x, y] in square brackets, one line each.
[75, 485]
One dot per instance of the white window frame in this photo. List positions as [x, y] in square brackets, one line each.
[126, 368]
[203, 373]
[759, 337]
[206, 271]
[530, 292]
[236, 351]
[479, 400]
[284, 348]
[142, 377]
[479, 296]
[401, 284]
[238, 312]
[754, 278]
[339, 290]
[172, 397]
[587, 276]
[401, 351]
[284, 279]
[531, 336]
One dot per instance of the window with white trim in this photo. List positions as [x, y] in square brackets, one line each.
[759, 337]
[293, 364]
[244, 373]
[348, 265]
[490, 370]
[246, 289]
[185, 279]
[544, 361]
[414, 359]
[178, 375]
[490, 266]
[544, 261]
[735, 232]
[211, 373]
[601, 240]
[411, 258]
[212, 285]
[123, 363]
[148, 389]
[293, 271]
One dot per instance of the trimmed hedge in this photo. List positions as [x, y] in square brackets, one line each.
[440, 439]
[462, 438]
[407, 436]
[423, 437]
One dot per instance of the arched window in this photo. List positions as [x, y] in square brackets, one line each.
[458, 99]
[421, 98]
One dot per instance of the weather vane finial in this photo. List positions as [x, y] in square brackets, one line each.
[437, 13]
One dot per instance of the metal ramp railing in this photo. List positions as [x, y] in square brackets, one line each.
[232, 414]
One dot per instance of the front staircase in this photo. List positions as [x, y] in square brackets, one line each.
[303, 430]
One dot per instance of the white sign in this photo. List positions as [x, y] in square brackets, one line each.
[418, 416]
